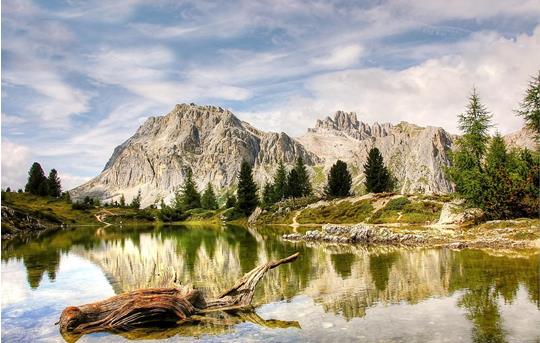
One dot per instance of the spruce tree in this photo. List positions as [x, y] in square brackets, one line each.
[8, 190]
[190, 196]
[339, 181]
[529, 107]
[280, 182]
[53, 183]
[268, 194]
[247, 190]
[37, 182]
[122, 201]
[376, 173]
[208, 200]
[499, 185]
[303, 177]
[294, 188]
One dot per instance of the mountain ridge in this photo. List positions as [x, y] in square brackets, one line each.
[212, 142]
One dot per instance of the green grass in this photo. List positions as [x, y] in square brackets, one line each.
[402, 210]
[344, 212]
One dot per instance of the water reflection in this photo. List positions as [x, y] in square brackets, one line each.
[345, 281]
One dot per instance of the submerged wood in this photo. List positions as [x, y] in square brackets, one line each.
[154, 307]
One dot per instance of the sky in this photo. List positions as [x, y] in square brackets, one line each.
[79, 77]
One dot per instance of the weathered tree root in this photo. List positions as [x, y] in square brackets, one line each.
[155, 307]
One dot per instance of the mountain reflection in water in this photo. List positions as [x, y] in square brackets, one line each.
[346, 281]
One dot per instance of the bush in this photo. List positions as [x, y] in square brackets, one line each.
[397, 204]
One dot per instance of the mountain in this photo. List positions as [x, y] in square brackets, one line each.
[415, 155]
[212, 142]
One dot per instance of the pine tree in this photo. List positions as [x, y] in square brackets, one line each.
[136, 201]
[339, 181]
[280, 182]
[377, 175]
[530, 106]
[37, 182]
[208, 200]
[122, 201]
[303, 177]
[8, 190]
[247, 190]
[294, 188]
[268, 194]
[190, 196]
[53, 183]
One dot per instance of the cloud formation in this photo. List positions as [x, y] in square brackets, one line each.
[77, 80]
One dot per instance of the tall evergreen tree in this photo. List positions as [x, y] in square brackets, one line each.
[208, 200]
[303, 177]
[122, 201]
[37, 182]
[190, 196]
[268, 194]
[499, 185]
[280, 182]
[339, 181]
[475, 124]
[529, 108]
[136, 201]
[377, 175]
[467, 171]
[247, 199]
[294, 187]
[53, 183]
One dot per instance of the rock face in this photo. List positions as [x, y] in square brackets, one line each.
[523, 138]
[415, 155]
[212, 142]
[208, 139]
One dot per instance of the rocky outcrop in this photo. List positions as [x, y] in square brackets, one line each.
[523, 138]
[15, 222]
[360, 233]
[453, 214]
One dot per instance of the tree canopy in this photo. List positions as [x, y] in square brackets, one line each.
[246, 194]
[208, 200]
[339, 181]
[377, 175]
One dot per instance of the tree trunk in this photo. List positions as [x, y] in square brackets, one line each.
[159, 307]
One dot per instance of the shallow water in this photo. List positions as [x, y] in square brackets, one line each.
[336, 294]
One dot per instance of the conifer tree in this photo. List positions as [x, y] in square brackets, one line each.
[190, 196]
[467, 171]
[268, 194]
[339, 181]
[122, 201]
[294, 188]
[529, 108]
[53, 183]
[280, 182]
[37, 182]
[303, 177]
[499, 185]
[230, 200]
[8, 190]
[208, 200]
[377, 175]
[246, 194]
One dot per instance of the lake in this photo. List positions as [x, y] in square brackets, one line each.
[330, 294]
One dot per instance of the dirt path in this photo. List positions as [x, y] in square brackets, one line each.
[102, 215]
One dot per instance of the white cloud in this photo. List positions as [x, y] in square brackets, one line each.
[340, 57]
[16, 160]
[431, 93]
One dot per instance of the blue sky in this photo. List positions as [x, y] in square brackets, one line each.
[79, 77]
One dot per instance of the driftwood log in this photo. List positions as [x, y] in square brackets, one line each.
[160, 307]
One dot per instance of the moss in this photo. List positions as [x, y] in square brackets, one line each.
[403, 210]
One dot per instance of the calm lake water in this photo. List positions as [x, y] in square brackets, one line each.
[330, 294]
